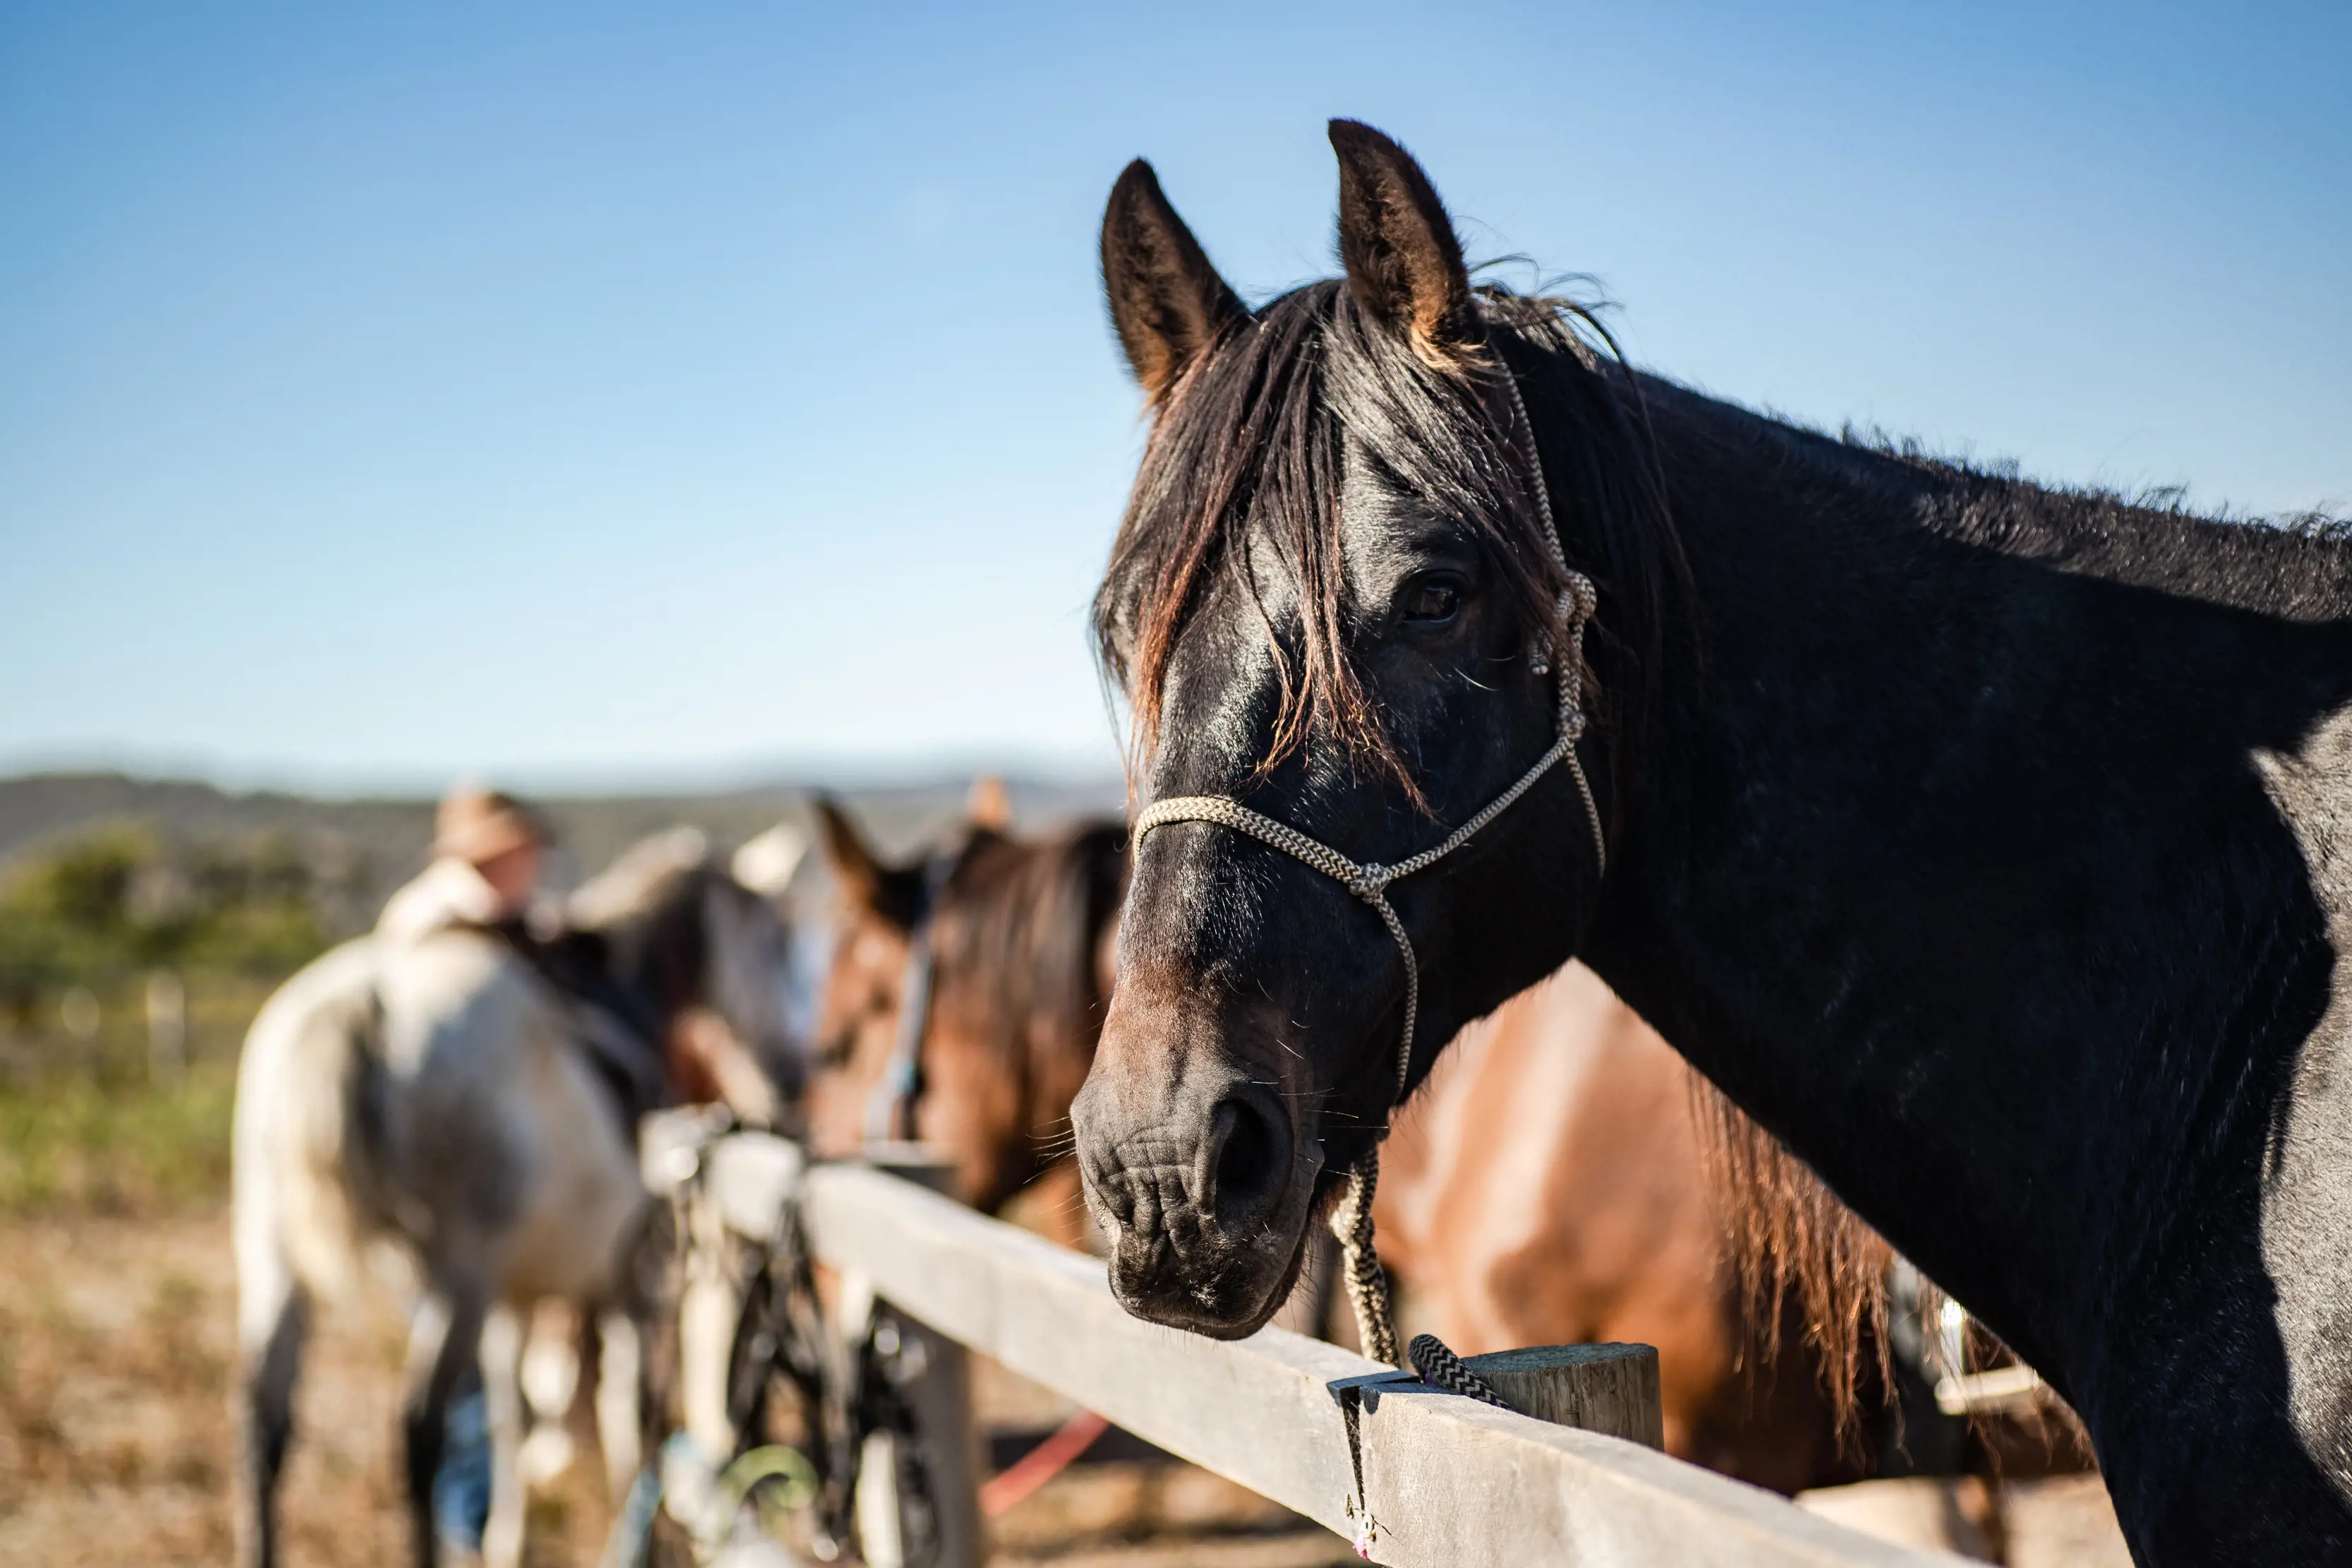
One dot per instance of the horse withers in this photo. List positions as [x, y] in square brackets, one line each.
[1982, 840]
[442, 1100]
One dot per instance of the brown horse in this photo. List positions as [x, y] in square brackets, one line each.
[1508, 1219]
[1552, 1185]
[1005, 946]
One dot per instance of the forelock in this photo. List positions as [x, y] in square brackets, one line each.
[1247, 454]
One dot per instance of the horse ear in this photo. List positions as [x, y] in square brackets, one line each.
[988, 806]
[853, 862]
[1403, 262]
[1167, 301]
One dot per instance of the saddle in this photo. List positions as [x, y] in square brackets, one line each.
[616, 1026]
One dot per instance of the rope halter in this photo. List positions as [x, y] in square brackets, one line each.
[1369, 881]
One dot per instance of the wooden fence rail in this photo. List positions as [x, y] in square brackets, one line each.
[1447, 1481]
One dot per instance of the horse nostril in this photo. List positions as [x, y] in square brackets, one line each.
[1250, 1152]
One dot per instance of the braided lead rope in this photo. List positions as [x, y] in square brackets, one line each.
[1359, 1264]
[1351, 1222]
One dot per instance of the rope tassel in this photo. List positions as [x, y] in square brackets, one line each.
[1438, 1367]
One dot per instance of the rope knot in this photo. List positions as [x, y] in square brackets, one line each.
[1583, 598]
[1370, 878]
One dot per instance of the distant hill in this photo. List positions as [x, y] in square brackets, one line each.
[385, 839]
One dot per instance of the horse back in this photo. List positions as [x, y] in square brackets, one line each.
[502, 1138]
[427, 1094]
[1554, 1159]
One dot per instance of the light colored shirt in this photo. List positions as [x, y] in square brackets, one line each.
[448, 892]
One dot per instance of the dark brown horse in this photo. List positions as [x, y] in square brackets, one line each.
[1507, 1223]
[1983, 840]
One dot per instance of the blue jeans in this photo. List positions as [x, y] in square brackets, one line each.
[461, 1488]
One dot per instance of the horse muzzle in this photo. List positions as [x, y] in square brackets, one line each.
[1204, 1183]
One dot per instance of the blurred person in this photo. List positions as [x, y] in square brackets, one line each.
[393, 1085]
[488, 851]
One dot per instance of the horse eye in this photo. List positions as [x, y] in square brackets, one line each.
[1432, 602]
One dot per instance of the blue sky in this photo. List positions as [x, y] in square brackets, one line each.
[692, 393]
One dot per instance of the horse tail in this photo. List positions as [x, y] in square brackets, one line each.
[314, 1111]
[362, 1155]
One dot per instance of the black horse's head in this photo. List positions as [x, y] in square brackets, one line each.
[1332, 600]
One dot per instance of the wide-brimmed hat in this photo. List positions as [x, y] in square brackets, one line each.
[478, 825]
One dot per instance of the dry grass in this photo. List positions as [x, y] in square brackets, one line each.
[1143, 1516]
[116, 1346]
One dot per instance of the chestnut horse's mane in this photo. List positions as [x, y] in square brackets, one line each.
[1792, 1243]
[1018, 920]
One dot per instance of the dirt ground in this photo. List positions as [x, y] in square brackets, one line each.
[116, 1342]
[114, 1416]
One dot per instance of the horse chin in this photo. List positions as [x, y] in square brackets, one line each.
[1217, 1301]
[1220, 1287]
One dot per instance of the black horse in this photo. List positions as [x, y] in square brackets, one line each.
[1990, 844]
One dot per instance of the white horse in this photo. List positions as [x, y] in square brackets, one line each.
[442, 1100]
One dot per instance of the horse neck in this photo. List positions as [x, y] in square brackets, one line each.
[1953, 870]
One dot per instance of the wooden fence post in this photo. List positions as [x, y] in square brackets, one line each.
[167, 1027]
[940, 1394]
[1610, 1388]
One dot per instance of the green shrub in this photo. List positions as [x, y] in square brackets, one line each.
[89, 1120]
[72, 1143]
[122, 898]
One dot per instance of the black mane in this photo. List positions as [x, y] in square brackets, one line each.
[2261, 564]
